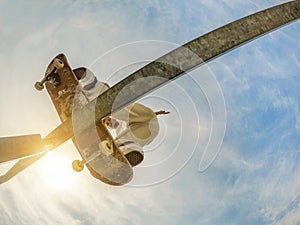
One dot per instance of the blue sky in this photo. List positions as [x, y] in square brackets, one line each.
[255, 178]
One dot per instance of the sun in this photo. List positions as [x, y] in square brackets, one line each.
[57, 172]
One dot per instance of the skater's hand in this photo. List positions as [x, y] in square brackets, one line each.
[161, 112]
[111, 123]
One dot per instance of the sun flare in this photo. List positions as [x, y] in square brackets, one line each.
[57, 172]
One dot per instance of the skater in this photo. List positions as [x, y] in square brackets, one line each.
[136, 125]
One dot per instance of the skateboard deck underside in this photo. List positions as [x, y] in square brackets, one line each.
[110, 167]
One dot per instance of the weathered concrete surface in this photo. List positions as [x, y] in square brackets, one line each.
[16, 147]
[193, 54]
[185, 58]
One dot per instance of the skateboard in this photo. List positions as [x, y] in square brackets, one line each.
[95, 145]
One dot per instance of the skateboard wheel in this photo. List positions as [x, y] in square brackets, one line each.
[58, 63]
[39, 86]
[107, 146]
[77, 166]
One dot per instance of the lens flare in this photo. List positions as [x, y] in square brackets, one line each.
[57, 172]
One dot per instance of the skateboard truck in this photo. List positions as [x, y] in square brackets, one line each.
[52, 76]
[107, 148]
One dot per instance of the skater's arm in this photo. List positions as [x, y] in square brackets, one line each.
[162, 112]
